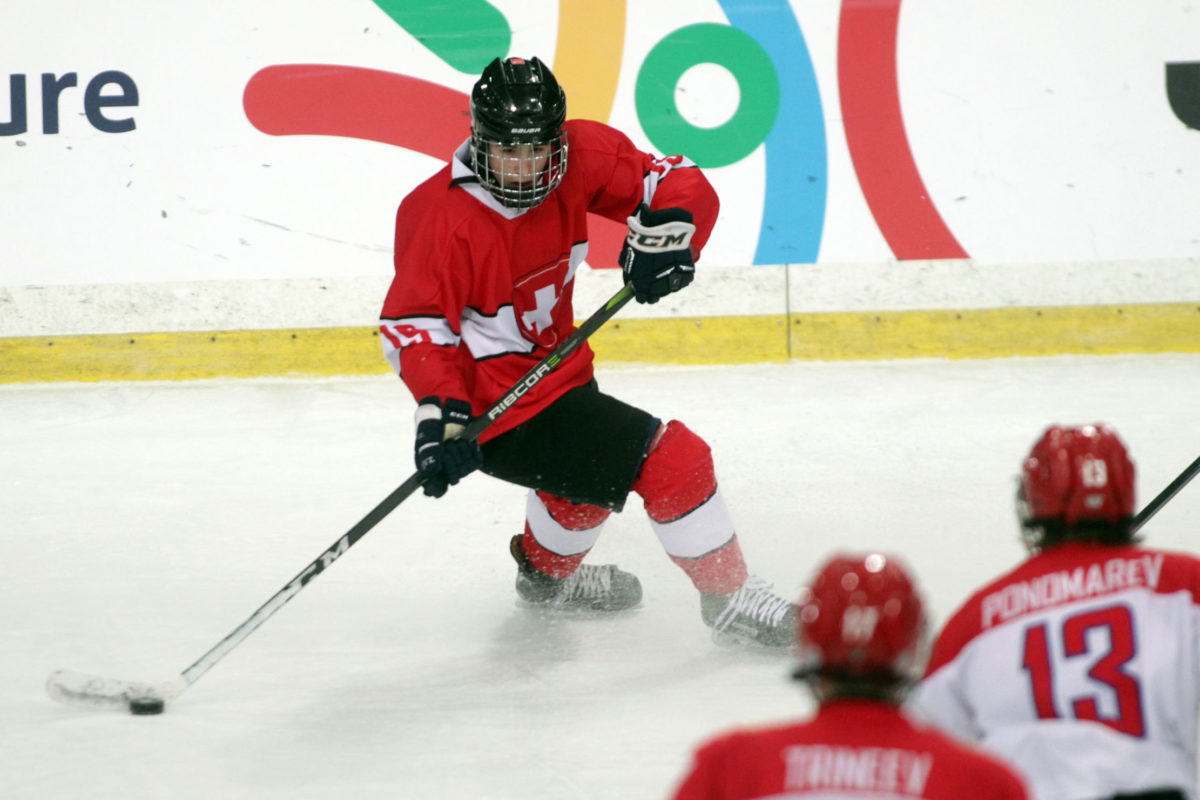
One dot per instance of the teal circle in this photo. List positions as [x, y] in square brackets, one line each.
[707, 43]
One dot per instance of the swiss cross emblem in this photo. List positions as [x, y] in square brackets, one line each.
[541, 316]
[536, 302]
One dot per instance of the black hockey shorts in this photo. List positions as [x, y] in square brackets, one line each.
[586, 447]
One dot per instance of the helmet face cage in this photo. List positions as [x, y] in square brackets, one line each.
[519, 174]
[862, 619]
[1033, 532]
[518, 147]
[1075, 476]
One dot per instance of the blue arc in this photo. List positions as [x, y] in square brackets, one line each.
[797, 170]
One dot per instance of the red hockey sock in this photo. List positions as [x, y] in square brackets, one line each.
[678, 485]
[722, 571]
[559, 533]
[545, 561]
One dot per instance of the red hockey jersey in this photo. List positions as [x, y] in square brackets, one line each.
[1081, 667]
[851, 750]
[483, 292]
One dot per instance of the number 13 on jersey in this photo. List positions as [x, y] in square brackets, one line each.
[1102, 638]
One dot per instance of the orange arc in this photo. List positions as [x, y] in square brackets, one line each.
[587, 60]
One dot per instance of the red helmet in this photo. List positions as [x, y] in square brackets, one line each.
[1079, 473]
[861, 616]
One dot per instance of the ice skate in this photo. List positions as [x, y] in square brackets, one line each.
[753, 616]
[590, 588]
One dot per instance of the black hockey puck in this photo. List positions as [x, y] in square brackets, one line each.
[146, 705]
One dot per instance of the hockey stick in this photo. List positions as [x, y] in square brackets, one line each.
[76, 688]
[1166, 494]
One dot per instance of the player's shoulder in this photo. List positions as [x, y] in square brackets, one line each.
[970, 764]
[589, 128]
[977, 768]
[950, 748]
[586, 137]
[439, 183]
[965, 622]
[737, 743]
[1180, 570]
[1074, 567]
[437, 204]
[1134, 565]
[1178, 559]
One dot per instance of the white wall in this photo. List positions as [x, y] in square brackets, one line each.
[1042, 132]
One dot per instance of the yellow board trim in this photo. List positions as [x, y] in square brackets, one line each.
[997, 332]
[190, 355]
[695, 340]
[319, 352]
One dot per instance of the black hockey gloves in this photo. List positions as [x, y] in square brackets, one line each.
[657, 255]
[443, 458]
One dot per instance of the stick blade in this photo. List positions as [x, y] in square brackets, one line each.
[92, 691]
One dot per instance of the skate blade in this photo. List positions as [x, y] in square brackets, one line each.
[571, 609]
[734, 640]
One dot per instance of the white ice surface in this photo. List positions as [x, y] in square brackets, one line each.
[141, 522]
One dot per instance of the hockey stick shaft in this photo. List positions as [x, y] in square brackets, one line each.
[1166, 494]
[477, 426]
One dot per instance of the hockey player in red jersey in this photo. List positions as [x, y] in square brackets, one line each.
[861, 641]
[1082, 665]
[485, 255]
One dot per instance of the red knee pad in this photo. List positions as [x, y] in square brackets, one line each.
[677, 475]
[572, 516]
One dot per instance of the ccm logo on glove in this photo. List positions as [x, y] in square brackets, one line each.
[657, 255]
[443, 459]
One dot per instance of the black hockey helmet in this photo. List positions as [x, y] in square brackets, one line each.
[518, 148]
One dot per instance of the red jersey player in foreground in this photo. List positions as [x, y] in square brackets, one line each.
[486, 253]
[1082, 665]
[861, 639]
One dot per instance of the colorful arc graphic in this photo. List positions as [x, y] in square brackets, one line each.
[587, 62]
[333, 100]
[883, 161]
[797, 178]
[587, 59]
[329, 100]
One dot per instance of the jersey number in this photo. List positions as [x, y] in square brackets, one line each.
[1108, 668]
[410, 334]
